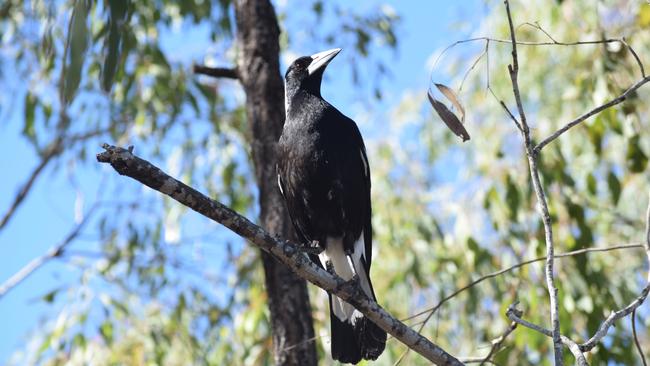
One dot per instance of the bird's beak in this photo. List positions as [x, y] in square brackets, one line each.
[321, 59]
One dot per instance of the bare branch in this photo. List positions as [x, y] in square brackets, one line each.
[125, 163]
[636, 338]
[515, 314]
[592, 112]
[615, 315]
[541, 196]
[38, 262]
[575, 350]
[50, 152]
[435, 308]
[497, 343]
[217, 72]
[551, 43]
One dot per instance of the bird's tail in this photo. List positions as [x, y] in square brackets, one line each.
[356, 337]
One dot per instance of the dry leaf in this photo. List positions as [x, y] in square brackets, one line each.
[449, 118]
[449, 94]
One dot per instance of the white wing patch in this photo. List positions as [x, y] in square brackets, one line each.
[346, 267]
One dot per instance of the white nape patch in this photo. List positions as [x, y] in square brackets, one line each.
[345, 267]
[286, 100]
[280, 185]
[366, 171]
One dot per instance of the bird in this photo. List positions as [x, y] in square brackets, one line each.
[324, 176]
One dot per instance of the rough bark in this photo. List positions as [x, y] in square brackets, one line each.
[259, 73]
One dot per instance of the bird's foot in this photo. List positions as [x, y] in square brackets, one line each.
[315, 250]
[312, 247]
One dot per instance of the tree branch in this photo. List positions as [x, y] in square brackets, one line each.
[592, 112]
[38, 262]
[494, 274]
[53, 150]
[636, 338]
[217, 72]
[497, 343]
[125, 163]
[615, 315]
[515, 314]
[541, 197]
[577, 349]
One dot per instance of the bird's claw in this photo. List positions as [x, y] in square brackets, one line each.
[315, 250]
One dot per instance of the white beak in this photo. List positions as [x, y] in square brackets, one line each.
[321, 59]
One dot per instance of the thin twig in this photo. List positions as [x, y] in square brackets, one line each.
[615, 315]
[497, 343]
[38, 262]
[484, 53]
[552, 43]
[515, 314]
[217, 72]
[515, 266]
[592, 112]
[636, 338]
[541, 196]
[50, 152]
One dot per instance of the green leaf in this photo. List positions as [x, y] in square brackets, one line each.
[118, 12]
[636, 159]
[614, 187]
[591, 184]
[106, 330]
[30, 111]
[512, 198]
[50, 296]
[77, 45]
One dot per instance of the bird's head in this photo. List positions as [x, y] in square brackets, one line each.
[306, 72]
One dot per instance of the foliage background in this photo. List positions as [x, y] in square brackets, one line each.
[147, 282]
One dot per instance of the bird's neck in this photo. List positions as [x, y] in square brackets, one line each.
[297, 100]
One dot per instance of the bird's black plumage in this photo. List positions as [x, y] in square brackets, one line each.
[324, 177]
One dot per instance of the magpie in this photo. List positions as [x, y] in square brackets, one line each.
[324, 177]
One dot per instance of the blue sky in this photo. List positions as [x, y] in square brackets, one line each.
[49, 210]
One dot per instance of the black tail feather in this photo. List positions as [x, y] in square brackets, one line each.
[371, 338]
[351, 343]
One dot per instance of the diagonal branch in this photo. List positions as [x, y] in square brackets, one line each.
[621, 98]
[515, 314]
[431, 311]
[53, 150]
[577, 349]
[125, 163]
[615, 315]
[36, 263]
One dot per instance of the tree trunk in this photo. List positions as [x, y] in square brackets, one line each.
[259, 72]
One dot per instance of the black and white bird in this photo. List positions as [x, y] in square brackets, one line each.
[324, 177]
